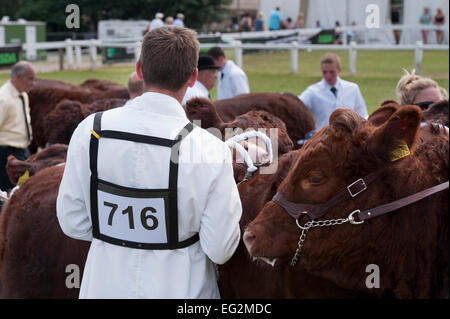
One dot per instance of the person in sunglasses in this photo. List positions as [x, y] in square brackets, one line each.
[418, 90]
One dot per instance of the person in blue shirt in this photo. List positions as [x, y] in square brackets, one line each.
[259, 22]
[274, 19]
[425, 19]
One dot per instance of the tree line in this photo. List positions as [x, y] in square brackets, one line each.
[196, 12]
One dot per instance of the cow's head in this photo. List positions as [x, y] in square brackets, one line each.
[202, 109]
[349, 148]
[262, 120]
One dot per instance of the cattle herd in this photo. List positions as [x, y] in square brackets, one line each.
[409, 245]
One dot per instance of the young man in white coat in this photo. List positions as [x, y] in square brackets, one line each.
[232, 79]
[332, 92]
[155, 195]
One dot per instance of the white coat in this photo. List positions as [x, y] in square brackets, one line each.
[319, 99]
[232, 81]
[197, 90]
[208, 203]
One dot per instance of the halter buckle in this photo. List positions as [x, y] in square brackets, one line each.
[358, 181]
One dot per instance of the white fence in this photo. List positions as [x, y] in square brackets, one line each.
[73, 48]
[352, 49]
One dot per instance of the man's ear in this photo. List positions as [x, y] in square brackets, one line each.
[139, 70]
[193, 78]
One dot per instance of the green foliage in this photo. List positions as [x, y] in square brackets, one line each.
[197, 12]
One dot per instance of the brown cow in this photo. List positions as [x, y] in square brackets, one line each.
[257, 120]
[409, 247]
[203, 109]
[59, 123]
[49, 156]
[437, 112]
[46, 94]
[34, 252]
[240, 277]
[287, 107]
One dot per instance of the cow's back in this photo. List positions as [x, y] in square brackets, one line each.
[287, 107]
[34, 252]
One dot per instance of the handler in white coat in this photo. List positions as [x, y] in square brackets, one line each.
[332, 92]
[118, 187]
[232, 79]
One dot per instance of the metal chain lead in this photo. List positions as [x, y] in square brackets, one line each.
[306, 227]
[300, 245]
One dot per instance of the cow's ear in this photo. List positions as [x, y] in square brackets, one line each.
[388, 101]
[383, 113]
[345, 120]
[396, 138]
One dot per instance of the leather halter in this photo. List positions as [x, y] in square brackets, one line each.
[317, 211]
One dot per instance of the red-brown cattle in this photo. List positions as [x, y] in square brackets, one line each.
[46, 94]
[437, 112]
[36, 259]
[49, 156]
[406, 249]
[287, 107]
[258, 120]
[59, 123]
[203, 110]
[240, 277]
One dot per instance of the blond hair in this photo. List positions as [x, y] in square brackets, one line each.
[169, 56]
[331, 58]
[410, 84]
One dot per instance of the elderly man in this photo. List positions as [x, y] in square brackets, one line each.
[135, 86]
[232, 79]
[207, 77]
[15, 128]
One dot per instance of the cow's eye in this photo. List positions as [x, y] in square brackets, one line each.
[316, 179]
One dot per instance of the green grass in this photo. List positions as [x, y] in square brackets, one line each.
[377, 72]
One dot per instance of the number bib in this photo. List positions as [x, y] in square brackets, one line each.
[131, 217]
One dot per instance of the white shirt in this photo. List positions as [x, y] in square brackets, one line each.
[319, 99]
[197, 90]
[178, 22]
[156, 23]
[208, 203]
[232, 83]
[13, 131]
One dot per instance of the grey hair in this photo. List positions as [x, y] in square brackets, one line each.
[20, 68]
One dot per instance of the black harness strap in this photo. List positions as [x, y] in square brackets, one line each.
[93, 155]
[173, 186]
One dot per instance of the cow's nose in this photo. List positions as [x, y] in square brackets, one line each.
[249, 239]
